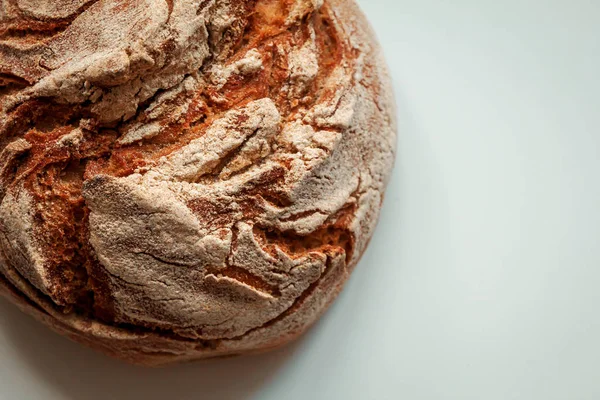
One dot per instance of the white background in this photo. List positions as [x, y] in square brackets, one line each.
[483, 279]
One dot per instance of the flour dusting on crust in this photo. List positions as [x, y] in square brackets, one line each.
[184, 179]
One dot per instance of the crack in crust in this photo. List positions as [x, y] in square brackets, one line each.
[194, 178]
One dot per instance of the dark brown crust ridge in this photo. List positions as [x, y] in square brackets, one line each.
[203, 190]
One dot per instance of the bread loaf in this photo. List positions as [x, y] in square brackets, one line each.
[186, 179]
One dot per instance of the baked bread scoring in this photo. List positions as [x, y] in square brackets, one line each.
[184, 179]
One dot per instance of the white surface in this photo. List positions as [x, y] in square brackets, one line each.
[483, 280]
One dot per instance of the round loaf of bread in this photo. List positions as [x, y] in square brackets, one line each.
[186, 179]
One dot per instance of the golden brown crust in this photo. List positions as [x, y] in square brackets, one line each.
[184, 180]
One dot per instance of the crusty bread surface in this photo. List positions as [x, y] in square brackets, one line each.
[187, 179]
